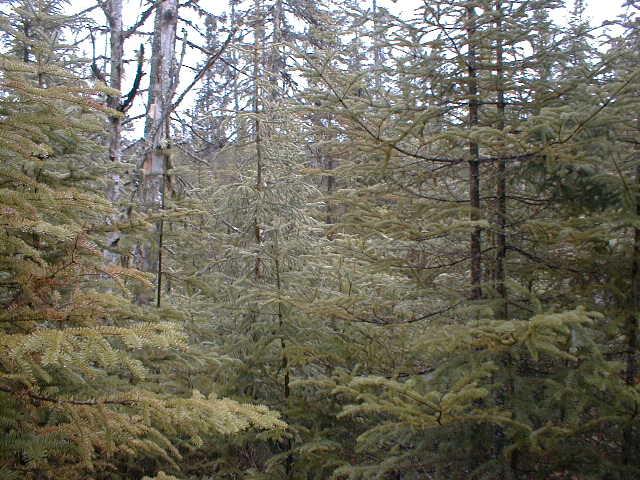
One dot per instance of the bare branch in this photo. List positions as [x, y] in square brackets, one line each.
[207, 66]
[143, 18]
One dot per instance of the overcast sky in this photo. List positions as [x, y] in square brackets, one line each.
[601, 10]
[597, 10]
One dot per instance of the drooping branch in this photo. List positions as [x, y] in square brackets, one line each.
[99, 74]
[34, 397]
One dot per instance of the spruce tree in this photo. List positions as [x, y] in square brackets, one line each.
[72, 385]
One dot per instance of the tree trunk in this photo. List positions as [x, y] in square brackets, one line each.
[156, 160]
[116, 39]
[241, 130]
[632, 327]
[474, 162]
[257, 48]
[113, 12]
[501, 188]
[276, 64]
[377, 51]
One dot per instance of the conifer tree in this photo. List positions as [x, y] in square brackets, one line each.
[72, 388]
[413, 236]
[519, 135]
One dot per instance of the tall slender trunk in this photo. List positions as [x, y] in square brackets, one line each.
[116, 40]
[377, 51]
[273, 63]
[474, 152]
[257, 48]
[240, 122]
[113, 12]
[331, 185]
[284, 357]
[501, 188]
[276, 62]
[506, 392]
[26, 50]
[157, 132]
[632, 327]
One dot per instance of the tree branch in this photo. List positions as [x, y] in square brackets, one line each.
[61, 401]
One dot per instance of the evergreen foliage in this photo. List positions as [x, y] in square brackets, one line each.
[393, 247]
[72, 385]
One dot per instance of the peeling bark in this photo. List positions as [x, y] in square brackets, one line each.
[157, 131]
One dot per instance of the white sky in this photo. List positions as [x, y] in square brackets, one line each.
[601, 10]
[597, 11]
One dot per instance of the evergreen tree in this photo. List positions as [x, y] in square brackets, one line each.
[415, 237]
[72, 386]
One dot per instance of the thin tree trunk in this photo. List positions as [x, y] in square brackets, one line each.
[507, 391]
[276, 63]
[377, 52]
[501, 188]
[632, 327]
[116, 39]
[474, 162]
[240, 122]
[286, 390]
[331, 182]
[113, 12]
[257, 47]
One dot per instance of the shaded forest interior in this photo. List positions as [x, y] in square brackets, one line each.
[308, 240]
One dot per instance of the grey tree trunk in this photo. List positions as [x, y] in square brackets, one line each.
[377, 48]
[474, 162]
[257, 92]
[501, 188]
[113, 13]
[116, 39]
[155, 163]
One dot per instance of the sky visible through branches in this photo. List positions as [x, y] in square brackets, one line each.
[598, 11]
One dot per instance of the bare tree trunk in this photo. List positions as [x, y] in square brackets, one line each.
[271, 65]
[116, 39]
[276, 63]
[241, 133]
[377, 51]
[331, 186]
[474, 162]
[113, 12]
[501, 188]
[156, 161]
[257, 49]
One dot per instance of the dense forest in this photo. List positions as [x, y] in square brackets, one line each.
[319, 239]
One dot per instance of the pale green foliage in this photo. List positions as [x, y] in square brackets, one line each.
[76, 394]
[317, 259]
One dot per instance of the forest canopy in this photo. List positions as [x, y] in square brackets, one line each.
[296, 239]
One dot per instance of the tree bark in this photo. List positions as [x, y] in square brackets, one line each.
[377, 51]
[501, 188]
[257, 125]
[157, 132]
[474, 152]
[116, 40]
[113, 12]
[632, 327]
